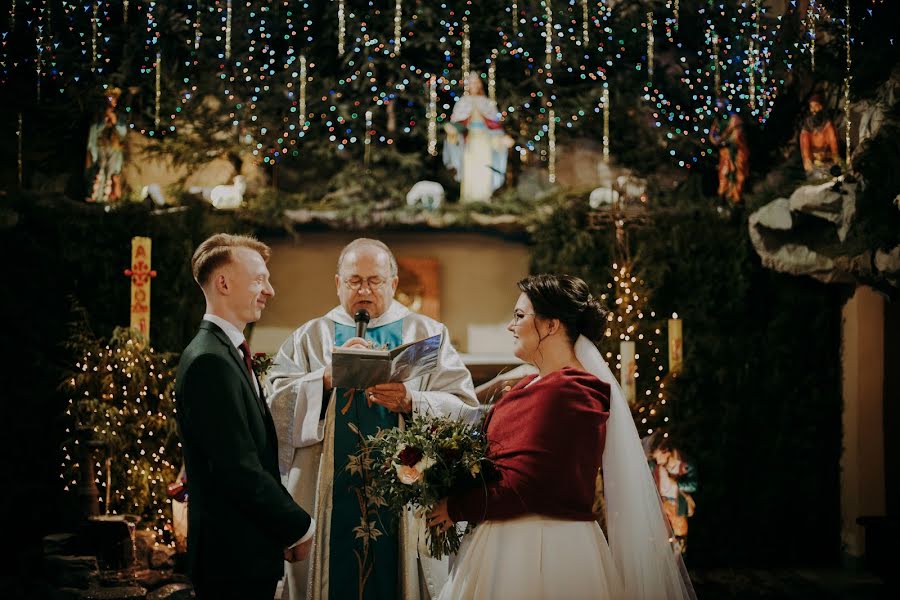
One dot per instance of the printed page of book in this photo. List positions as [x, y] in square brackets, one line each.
[358, 368]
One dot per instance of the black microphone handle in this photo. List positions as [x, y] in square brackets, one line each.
[361, 327]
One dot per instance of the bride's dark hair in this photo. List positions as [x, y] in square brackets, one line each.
[568, 299]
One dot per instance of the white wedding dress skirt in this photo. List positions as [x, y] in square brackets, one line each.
[534, 558]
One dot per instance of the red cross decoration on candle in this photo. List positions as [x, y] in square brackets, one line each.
[140, 274]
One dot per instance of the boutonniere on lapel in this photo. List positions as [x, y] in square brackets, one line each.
[262, 362]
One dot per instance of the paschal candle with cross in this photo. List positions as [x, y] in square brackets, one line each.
[140, 274]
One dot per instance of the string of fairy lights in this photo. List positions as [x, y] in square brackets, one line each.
[632, 331]
[743, 63]
[121, 430]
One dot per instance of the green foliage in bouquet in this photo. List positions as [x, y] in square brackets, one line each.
[120, 416]
[415, 468]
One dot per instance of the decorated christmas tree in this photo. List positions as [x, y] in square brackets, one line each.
[121, 427]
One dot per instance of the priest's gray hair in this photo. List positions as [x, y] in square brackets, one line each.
[359, 243]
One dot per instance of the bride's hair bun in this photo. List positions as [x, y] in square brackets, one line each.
[568, 299]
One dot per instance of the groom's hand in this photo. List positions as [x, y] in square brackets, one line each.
[393, 396]
[298, 552]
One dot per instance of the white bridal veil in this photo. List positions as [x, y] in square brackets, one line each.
[639, 532]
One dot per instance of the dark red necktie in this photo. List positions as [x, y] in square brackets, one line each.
[245, 350]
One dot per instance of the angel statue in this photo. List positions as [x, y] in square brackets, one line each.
[105, 156]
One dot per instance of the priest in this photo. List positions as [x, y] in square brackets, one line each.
[361, 550]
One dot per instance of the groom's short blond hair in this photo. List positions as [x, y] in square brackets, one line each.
[215, 252]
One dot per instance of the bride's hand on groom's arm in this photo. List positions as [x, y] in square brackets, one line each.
[439, 517]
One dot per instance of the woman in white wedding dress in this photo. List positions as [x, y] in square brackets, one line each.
[537, 537]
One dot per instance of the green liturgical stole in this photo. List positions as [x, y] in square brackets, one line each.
[363, 552]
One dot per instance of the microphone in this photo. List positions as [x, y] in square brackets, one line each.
[362, 322]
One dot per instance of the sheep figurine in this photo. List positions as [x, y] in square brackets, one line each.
[428, 194]
[603, 196]
[224, 197]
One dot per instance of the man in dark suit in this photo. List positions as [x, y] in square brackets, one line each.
[242, 522]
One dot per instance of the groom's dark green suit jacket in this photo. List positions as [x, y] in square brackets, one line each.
[240, 516]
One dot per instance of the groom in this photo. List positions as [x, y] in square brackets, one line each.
[242, 523]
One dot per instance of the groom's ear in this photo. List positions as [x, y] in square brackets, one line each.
[220, 283]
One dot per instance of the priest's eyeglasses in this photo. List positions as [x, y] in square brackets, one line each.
[518, 316]
[372, 283]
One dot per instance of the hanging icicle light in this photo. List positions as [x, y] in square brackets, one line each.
[197, 33]
[552, 150]
[342, 27]
[158, 90]
[302, 103]
[811, 25]
[465, 57]
[367, 151]
[515, 18]
[650, 42]
[548, 33]
[847, 78]
[398, 18]
[125, 11]
[717, 77]
[228, 30]
[492, 76]
[39, 59]
[753, 57]
[675, 10]
[606, 125]
[432, 115]
[20, 161]
[585, 18]
[95, 34]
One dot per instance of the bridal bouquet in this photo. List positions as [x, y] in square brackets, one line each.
[415, 468]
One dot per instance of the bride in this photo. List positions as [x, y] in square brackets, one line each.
[537, 536]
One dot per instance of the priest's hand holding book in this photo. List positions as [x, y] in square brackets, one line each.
[355, 342]
[382, 372]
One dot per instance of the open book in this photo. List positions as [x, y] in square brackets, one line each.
[359, 368]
